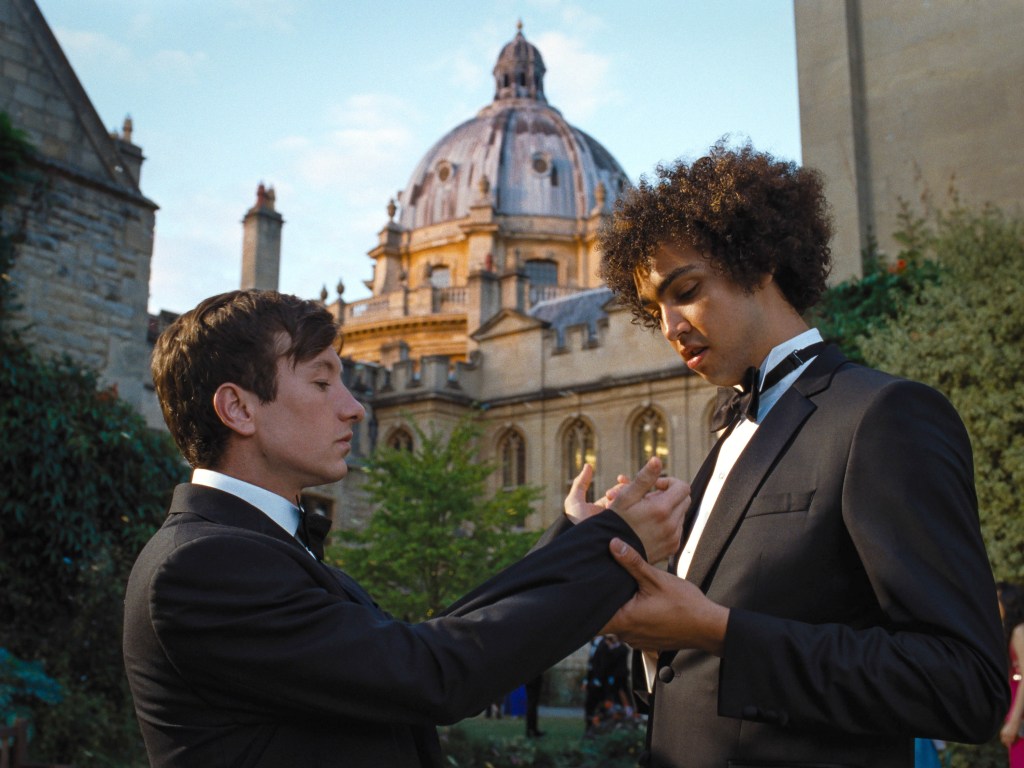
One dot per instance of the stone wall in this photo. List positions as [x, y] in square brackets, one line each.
[83, 229]
[901, 101]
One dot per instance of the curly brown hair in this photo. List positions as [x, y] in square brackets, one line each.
[746, 212]
[235, 337]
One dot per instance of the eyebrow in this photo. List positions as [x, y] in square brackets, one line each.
[662, 287]
[325, 364]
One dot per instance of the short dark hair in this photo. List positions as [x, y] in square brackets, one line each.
[235, 337]
[748, 213]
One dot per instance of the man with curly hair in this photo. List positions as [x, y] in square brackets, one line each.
[831, 598]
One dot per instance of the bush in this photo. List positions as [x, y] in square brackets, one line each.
[85, 483]
[964, 335]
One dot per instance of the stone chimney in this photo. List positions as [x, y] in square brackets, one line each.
[131, 153]
[261, 242]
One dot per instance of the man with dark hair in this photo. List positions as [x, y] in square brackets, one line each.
[243, 649]
[831, 597]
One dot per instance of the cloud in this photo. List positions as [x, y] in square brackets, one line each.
[273, 15]
[97, 56]
[82, 46]
[577, 80]
[179, 64]
[366, 145]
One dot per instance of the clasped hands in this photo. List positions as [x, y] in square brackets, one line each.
[667, 612]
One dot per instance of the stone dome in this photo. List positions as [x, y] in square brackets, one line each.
[518, 153]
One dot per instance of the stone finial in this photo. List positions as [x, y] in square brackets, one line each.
[126, 129]
[392, 209]
[323, 294]
[340, 288]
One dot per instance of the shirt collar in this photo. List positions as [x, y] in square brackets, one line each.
[771, 396]
[277, 508]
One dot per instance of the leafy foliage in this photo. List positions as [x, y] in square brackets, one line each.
[85, 483]
[15, 151]
[21, 684]
[964, 335]
[854, 308]
[435, 534]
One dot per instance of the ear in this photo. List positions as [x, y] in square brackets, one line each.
[234, 407]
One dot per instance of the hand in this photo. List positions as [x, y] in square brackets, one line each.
[666, 613]
[577, 508]
[654, 507]
[1008, 733]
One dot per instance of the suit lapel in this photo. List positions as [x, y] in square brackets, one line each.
[217, 506]
[757, 461]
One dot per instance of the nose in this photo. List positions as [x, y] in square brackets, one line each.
[349, 409]
[673, 324]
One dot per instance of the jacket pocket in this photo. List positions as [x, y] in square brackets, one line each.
[778, 503]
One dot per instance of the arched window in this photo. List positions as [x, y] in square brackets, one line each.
[512, 456]
[400, 439]
[649, 437]
[577, 450]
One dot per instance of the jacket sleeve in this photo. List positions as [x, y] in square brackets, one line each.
[933, 663]
[242, 620]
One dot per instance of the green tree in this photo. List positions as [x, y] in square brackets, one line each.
[852, 309]
[85, 483]
[964, 335]
[435, 533]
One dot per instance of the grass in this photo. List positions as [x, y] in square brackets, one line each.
[559, 732]
[489, 743]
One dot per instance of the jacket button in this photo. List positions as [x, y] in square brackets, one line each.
[665, 674]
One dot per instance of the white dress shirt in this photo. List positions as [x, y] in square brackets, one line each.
[732, 448]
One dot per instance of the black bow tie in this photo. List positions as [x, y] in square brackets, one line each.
[733, 403]
[312, 531]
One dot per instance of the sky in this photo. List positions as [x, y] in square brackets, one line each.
[334, 102]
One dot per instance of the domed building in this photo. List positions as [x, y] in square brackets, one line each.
[503, 209]
[486, 302]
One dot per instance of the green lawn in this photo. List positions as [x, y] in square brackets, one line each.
[559, 732]
[480, 742]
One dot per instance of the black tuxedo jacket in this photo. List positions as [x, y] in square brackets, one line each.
[863, 613]
[242, 650]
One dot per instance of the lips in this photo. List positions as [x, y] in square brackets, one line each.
[693, 357]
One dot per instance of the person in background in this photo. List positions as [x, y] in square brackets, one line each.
[1011, 608]
[534, 687]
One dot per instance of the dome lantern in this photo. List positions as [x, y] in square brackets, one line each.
[519, 73]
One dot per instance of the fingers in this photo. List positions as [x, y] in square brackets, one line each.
[582, 481]
[629, 559]
[638, 487]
